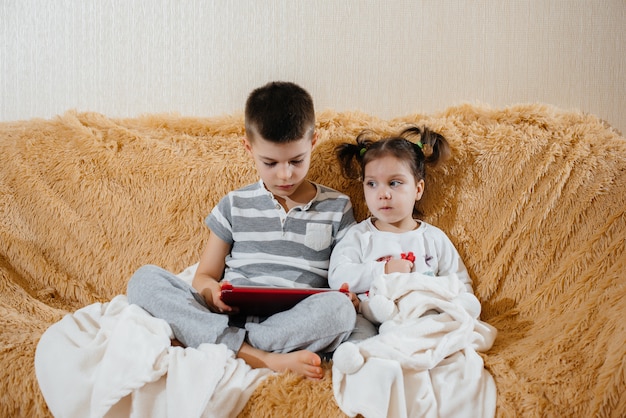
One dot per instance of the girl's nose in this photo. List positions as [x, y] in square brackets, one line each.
[384, 194]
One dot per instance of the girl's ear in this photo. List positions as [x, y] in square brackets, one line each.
[419, 190]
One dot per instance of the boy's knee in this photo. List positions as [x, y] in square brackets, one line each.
[342, 311]
[140, 282]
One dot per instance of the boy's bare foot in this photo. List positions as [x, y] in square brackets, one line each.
[303, 362]
[176, 343]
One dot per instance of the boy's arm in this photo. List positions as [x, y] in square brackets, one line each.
[210, 270]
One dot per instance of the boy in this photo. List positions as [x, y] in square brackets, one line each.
[278, 231]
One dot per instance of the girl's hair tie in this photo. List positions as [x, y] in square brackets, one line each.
[419, 144]
[362, 151]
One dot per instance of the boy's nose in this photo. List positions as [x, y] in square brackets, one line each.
[284, 171]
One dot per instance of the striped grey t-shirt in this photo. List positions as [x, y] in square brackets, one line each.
[274, 247]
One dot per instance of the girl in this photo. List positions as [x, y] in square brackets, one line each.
[392, 239]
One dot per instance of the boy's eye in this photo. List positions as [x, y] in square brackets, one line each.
[273, 163]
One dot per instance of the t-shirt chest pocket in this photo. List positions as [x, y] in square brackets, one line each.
[318, 236]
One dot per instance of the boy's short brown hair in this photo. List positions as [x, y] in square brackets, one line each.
[279, 112]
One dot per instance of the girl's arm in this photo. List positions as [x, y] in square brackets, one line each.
[210, 270]
[450, 262]
[347, 265]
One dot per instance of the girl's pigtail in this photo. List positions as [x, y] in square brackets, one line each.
[438, 144]
[433, 146]
[345, 153]
[350, 156]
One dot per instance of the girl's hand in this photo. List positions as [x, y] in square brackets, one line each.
[398, 265]
[353, 297]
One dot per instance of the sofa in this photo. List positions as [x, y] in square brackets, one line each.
[533, 197]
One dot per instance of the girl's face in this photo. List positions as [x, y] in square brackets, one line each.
[391, 192]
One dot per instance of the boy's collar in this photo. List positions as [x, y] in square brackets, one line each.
[303, 207]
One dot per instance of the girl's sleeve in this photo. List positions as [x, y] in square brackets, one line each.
[347, 264]
[450, 262]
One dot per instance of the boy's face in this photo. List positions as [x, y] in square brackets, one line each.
[283, 167]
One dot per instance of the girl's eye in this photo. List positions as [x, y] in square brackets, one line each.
[395, 183]
[370, 184]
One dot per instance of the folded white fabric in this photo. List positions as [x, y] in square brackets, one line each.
[424, 361]
[114, 359]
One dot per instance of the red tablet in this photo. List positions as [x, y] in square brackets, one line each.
[265, 300]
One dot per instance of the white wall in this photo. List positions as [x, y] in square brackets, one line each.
[388, 58]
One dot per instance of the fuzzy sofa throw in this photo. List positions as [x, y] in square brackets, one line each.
[533, 197]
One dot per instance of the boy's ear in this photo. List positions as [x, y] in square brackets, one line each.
[314, 138]
[246, 144]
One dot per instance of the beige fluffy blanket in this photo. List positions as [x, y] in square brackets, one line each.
[534, 199]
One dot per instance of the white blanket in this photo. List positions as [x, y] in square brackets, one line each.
[115, 360]
[424, 362]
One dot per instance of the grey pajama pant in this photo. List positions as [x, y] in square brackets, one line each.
[319, 323]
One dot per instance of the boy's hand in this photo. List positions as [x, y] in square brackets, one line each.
[212, 294]
[210, 268]
[353, 297]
